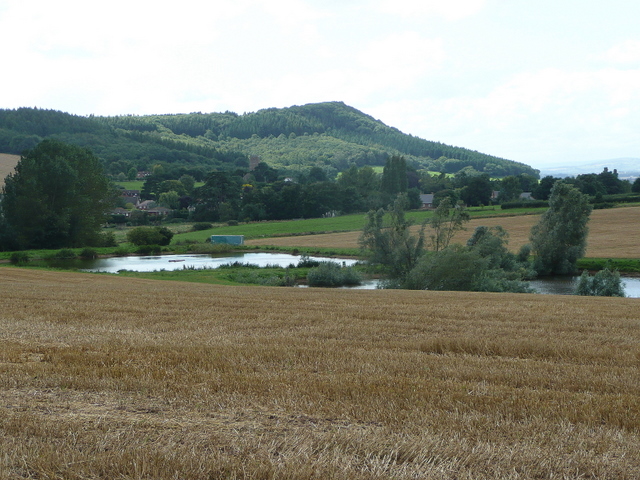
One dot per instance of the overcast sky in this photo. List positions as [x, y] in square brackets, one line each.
[545, 82]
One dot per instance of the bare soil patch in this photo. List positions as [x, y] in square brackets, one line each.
[111, 377]
[613, 233]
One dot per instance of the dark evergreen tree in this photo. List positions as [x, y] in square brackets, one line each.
[57, 197]
[219, 198]
[394, 176]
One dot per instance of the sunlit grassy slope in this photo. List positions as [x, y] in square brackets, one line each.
[110, 377]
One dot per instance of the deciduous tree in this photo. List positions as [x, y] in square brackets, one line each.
[446, 221]
[560, 238]
[57, 197]
[390, 243]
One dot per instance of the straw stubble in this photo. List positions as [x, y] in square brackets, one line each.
[109, 377]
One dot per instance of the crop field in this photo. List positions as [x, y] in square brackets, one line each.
[7, 164]
[111, 377]
[613, 233]
[339, 224]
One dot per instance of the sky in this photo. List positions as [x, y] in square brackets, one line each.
[546, 83]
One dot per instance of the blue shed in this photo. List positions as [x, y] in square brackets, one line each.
[228, 239]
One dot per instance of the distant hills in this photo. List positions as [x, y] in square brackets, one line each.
[331, 135]
[627, 168]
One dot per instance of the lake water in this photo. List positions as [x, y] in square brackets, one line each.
[567, 285]
[179, 262]
[549, 286]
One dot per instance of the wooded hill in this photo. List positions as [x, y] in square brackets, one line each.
[331, 135]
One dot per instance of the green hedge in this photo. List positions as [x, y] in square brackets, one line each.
[525, 204]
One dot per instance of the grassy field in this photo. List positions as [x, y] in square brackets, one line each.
[7, 164]
[112, 377]
[613, 233]
[344, 223]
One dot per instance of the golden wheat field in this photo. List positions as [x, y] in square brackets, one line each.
[118, 378]
[613, 233]
[7, 164]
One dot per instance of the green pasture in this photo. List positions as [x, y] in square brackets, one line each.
[344, 223]
[627, 265]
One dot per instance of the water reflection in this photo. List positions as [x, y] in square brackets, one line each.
[179, 262]
[567, 285]
[548, 285]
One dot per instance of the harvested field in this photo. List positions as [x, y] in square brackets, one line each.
[7, 164]
[613, 233]
[110, 377]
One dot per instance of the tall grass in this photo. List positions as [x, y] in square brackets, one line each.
[114, 377]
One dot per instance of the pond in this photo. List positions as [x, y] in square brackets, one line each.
[548, 286]
[179, 262]
[567, 285]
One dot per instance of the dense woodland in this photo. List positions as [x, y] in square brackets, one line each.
[332, 136]
[309, 161]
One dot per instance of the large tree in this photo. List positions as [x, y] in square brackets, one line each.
[219, 197]
[446, 221]
[394, 175]
[477, 191]
[57, 197]
[560, 238]
[387, 240]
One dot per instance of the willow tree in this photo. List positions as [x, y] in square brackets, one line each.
[560, 238]
[387, 240]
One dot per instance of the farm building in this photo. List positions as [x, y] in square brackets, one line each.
[228, 239]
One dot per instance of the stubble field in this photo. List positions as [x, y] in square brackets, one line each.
[613, 233]
[7, 165]
[110, 377]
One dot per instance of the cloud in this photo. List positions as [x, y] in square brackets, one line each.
[623, 54]
[543, 117]
[402, 57]
[451, 9]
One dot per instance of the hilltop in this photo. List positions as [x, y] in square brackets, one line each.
[331, 135]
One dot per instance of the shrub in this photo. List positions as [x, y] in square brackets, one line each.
[65, 254]
[306, 262]
[19, 258]
[458, 268]
[232, 223]
[605, 283]
[209, 248]
[121, 252]
[89, 253]
[201, 226]
[330, 274]
[524, 204]
[150, 236]
[621, 198]
[149, 249]
[524, 252]
[107, 239]
[118, 219]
